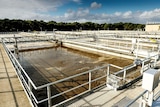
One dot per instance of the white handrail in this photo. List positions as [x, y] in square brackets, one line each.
[14, 60]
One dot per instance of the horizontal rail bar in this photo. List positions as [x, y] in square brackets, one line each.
[130, 103]
[15, 60]
[71, 98]
[18, 66]
[61, 80]
[115, 66]
[71, 89]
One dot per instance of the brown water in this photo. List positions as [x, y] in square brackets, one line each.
[44, 66]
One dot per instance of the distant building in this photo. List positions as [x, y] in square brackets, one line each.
[152, 26]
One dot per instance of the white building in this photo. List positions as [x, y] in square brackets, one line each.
[152, 26]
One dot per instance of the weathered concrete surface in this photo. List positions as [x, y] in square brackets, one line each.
[110, 98]
[11, 91]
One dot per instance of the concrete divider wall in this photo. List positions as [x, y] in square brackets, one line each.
[95, 51]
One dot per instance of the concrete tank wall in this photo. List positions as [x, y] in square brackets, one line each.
[95, 51]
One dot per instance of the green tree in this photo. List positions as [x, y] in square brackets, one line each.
[106, 26]
[7, 25]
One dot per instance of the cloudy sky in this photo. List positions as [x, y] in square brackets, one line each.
[99, 11]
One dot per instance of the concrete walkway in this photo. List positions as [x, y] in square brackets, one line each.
[110, 98]
[11, 91]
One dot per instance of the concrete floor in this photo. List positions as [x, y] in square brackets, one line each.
[12, 94]
[110, 98]
[11, 91]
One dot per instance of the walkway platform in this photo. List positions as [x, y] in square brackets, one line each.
[11, 91]
[110, 98]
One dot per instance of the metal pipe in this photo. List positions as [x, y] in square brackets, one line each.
[90, 79]
[124, 74]
[49, 96]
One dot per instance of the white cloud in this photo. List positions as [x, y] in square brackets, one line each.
[39, 10]
[77, 1]
[117, 13]
[27, 9]
[95, 5]
[153, 15]
[82, 12]
[72, 15]
[127, 14]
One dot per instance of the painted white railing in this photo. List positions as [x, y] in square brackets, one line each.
[31, 88]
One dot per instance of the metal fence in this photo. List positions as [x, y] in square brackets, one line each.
[140, 98]
[30, 87]
[49, 96]
[28, 39]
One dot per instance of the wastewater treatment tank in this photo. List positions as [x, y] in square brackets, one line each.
[49, 65]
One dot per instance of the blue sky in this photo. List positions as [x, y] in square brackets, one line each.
[99, 11]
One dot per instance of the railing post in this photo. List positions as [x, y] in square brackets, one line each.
[107, 78]
[90, 79]
[142, 68]
[30, 89]
[124, 74]
[108, 70]
[49, 95]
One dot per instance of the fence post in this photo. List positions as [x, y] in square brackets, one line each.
[107, 78]
[49, 95]
[30, 89]
[124, 74]
[108, 69]
[142, 68]
[90, 79]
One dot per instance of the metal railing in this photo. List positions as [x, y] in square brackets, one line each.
[153, 64]
[101, 47]
[126, 47]
[119, 79]
[136, 99]
[49, 95]
[22, 75]
[30, 87]
[28, 39]
[139, 98]
[4, 33]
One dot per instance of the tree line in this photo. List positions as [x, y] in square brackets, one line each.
[7, 25]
